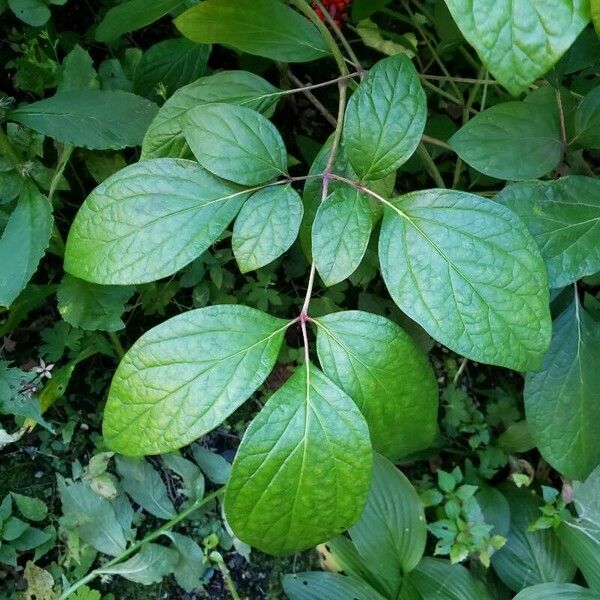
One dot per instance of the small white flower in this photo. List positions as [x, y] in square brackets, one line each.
[44, 370]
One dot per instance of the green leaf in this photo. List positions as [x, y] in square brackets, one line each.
[519, 43]
[391, 532]
[529, 558]
[149, 565]
[165, 137]
[595, 9]
[23, 242]
[556, 591]
[587, 121]
[31, 538]
[12, 528]
[90, 306]
[266, 226]
[495, 141]
[184, 377]
[340, 234]
[235, 143]
[561, 400]
[32, 509]
[468, 271]
[303, 469]
[148, 221]
[385, 118]
[191, 564]
[263, 27]
[94, 119]
[382, 369]
[131, 16]
[170, 63]
[190, 474]
[78, 72]
[563, 215]
[327, 586]
[213, 465]
[32, 12]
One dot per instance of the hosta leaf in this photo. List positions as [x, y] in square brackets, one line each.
[519, 41]
[380, 367]
[556, 591]
[340, 234]
[561, 400]
[235, 143]
[165, 137]
[563, 215]
[495, 141]
[185, 376]
[303, 468]
[266, 227]
[468, 271]
[385, 118]
[263, 27]
[528, 557]
[23, 242]
[94, 119]
[327, 586]
[148, 221]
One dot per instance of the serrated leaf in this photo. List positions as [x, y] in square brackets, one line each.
[78, 71]
[94, 119]
[23, 242]
[184, 377]
[468, 271]
[327, 586]
[380, 367]
[263, 27]
[266, 226]
[235, 143]
[520, 42]
[561, 400]
[385, 118]
[340, 234]
[303, 468]
[165, 137]
[556, 591]
[148, 221]
[495, 141]
[563, 215]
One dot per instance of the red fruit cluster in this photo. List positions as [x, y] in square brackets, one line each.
[338, 9]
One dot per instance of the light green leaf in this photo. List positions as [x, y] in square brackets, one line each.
[131, 16]
[561, 400]
[148, 221]
[382, 369]
[468, 271]
[213, 465]
[303, 468]
[266, 227]
[587, 121]
[91, 306]
[264, 27]
[327, 586]
[391, 533]
[595, 9]
[191, 564]
[563, 215]
[520, 41]
[94, 119]
[235, 142]
[556, 591]
[78, 72]
[495, 141]
[191, 476]
[184, 377]
[32, 12]
[385, 118]
[164, 136]
[529, 558]
[23, 242]
[372, 37]
[32, 509]
[148, 566]
[171, 63]
[340, 234]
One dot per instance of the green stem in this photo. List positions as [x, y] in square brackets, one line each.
[431, 166]
[7, 150]
[61, 164]
[229, 583]
[149, 538]
[116, 342]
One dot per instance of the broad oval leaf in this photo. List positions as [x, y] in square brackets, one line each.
[563, 215]
[184, 377]
[556, 591]
[266, 227]
[303, 469]
[264, 27]
[385, 118]
[495, 141]
[148, 221]
[165, 137]
[382, 369]
[561, 400]
[327, 586]
[520, 41]
[468, 271]
[94, 119]
[235, 143]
